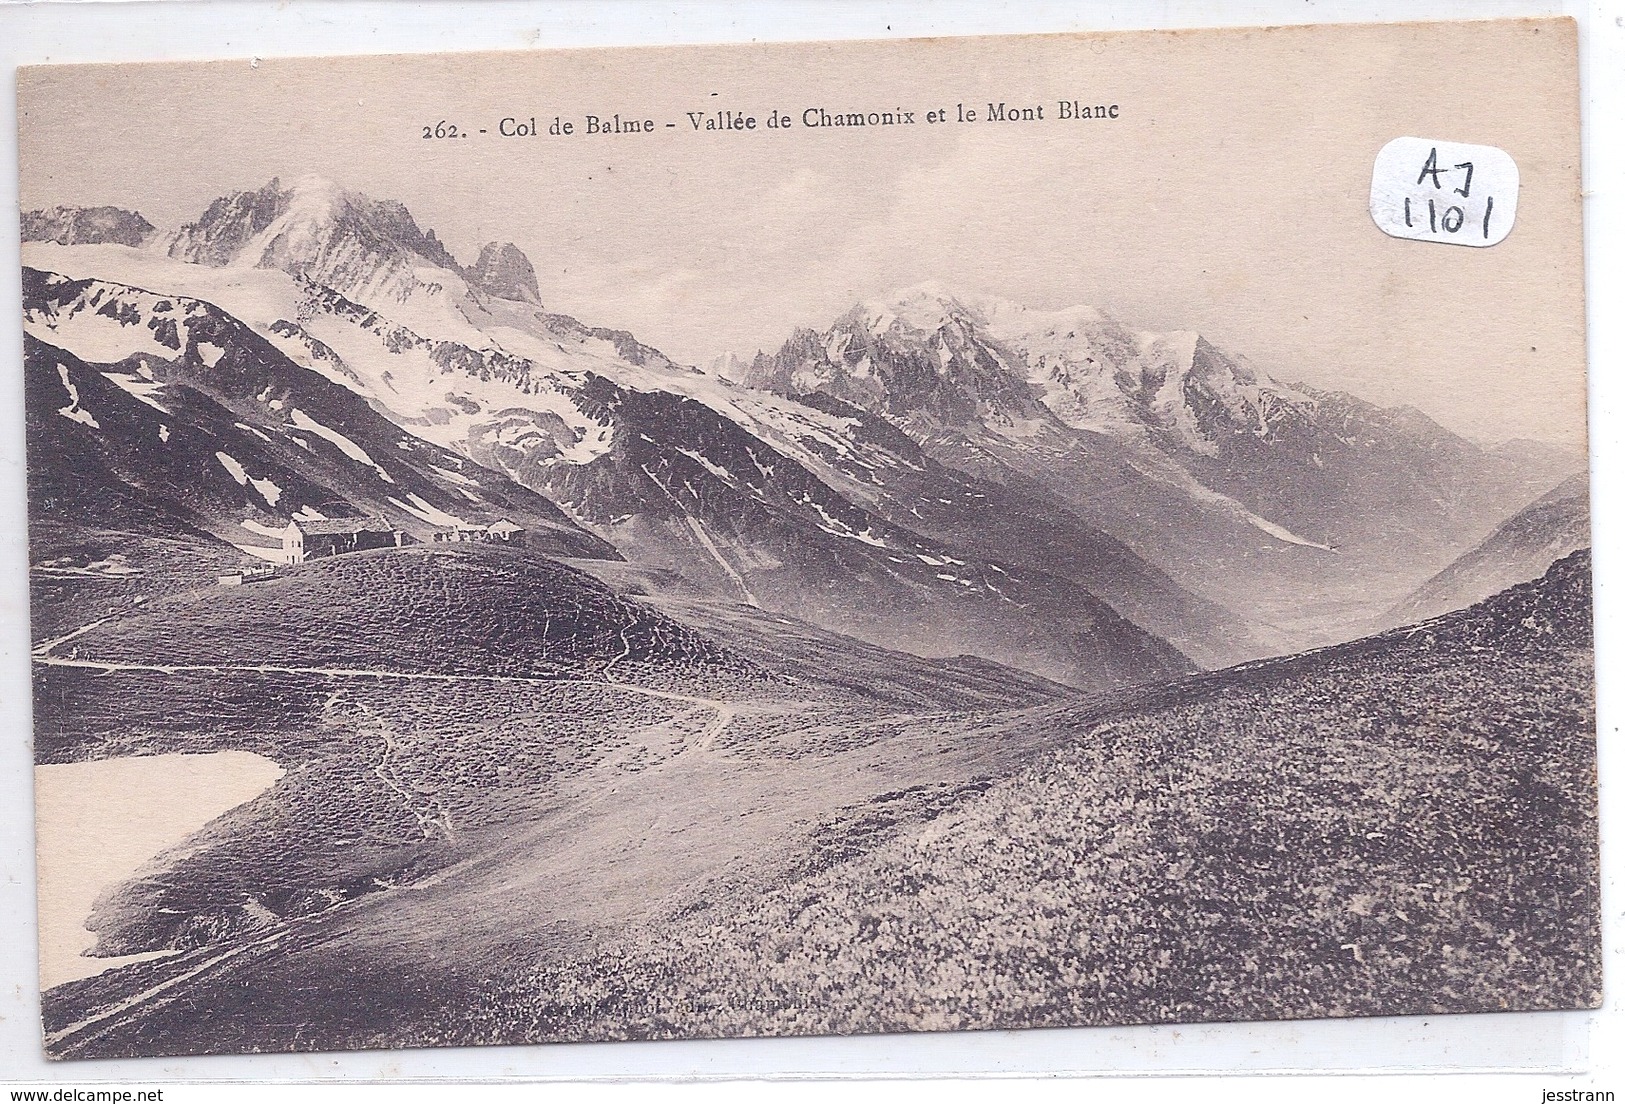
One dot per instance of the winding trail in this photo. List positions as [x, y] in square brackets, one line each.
[439, 820]
[138, 1001]
[44, 649]
[141, 1003]
[725, 712]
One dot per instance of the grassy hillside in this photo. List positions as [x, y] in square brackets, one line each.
[81, 574]
[449, 610]
[1401, 824]
[387, 776]
[1405, 824]
[431, 707]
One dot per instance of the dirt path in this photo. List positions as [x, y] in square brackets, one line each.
[612, 848]
[724, 712]
[434, 822]
[140, 1003]
[43, 650]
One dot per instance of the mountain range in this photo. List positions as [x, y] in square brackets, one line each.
[185, 420]
[86, 226]
[1521, 548]
[1294, 507]
[944, 475]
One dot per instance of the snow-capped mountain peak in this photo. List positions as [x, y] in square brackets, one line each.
[931, 351]
[319, 231]
[923, 308]
[504, 271]
[1005, 316]
[930, 305]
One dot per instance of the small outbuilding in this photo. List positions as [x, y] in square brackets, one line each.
[247, 572]
[501, 531]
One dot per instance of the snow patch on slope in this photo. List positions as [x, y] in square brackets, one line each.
[266, 488]
[355, 452]
[233, 468]
[260, 552]
[427, 511]
[94, 337]
[140, 387]
[72, 411]
[260, 528]
[1281, 534]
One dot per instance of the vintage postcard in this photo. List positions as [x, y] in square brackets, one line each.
[809, 539]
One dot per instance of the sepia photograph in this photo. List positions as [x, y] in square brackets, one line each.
[809, 539]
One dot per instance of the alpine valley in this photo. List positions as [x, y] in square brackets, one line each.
[769, 618]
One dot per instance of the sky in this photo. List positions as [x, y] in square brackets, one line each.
[1228, 197]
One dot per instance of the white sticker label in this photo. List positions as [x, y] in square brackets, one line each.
[1444, 192]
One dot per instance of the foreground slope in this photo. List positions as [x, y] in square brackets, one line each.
[464, 681]
[488, 736]
[1405, 822]
[1402, 824]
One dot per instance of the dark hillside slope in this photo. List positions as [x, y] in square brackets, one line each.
[414, 697]
[451, 610]
[681, 477]
[488, 754]
[167, 414]
[82, 574]
[1520, 549]
[1402, 824]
